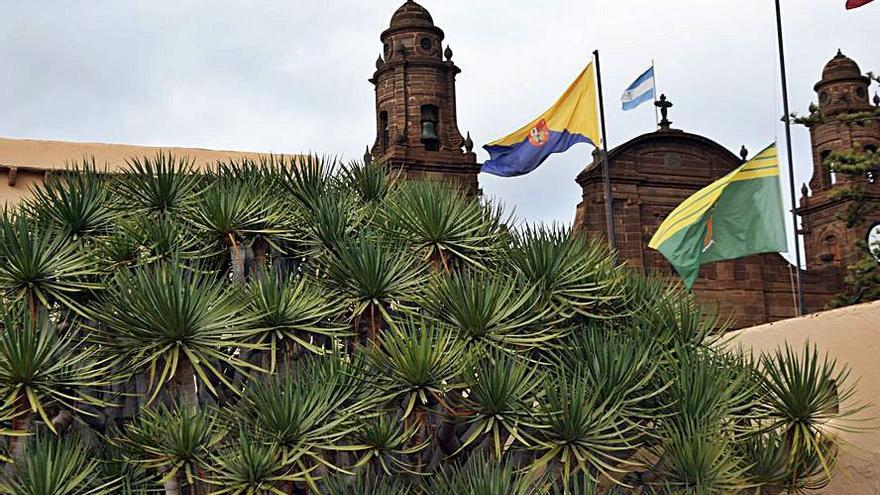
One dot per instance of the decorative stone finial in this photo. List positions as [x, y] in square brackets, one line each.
[368, 157]
[380, 62]
[664, 105]
[743, 152]
[448, 53]
[468, 143]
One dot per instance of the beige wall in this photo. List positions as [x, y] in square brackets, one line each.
[27, 160]
[12, 191]
[852, 336]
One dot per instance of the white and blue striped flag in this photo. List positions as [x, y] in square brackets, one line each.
[640, 91]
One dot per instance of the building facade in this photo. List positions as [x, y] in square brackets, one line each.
[653, 173]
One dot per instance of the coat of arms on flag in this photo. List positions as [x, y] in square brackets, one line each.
[539, 134]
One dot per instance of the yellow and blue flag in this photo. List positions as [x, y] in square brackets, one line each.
[574, 118]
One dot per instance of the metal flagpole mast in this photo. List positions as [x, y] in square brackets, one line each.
[656, 108]
[787, 119]
[606, 177]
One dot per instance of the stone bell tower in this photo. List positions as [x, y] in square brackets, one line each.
[845, 119]
[416, 125]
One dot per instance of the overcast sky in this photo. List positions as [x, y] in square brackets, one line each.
[292, 76]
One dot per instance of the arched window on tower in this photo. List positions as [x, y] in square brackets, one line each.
[430, 119]
[384, 131]
[828, 175]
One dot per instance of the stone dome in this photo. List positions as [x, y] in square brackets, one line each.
[841, 67]
[411, 15]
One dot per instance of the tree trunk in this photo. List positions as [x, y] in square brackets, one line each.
[236, 260]
[292, 353]
[183, 388]
[22, 423]
[418, 419]
[32, 308]
[172, 486]
[62, 420]
[438, 262]
[257, 266]
[226, 396]
[183, 385]
[200, 487]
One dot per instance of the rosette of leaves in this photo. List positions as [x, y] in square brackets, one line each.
[572, 276]
[415, 364]
[236, 211]
[371, 182]
[306, 419]
[307, 178]
[498, 402]
[483, 475]
[373, 277]
[618, 365]
[774, 468]
[294, 313]
[707, 388]
[695, 457]
[386, 442]
[174, 442]
[41, 265]
[328, 222]
[162, 185]
[675, 320]
[78, 202]
[57, 466]
[442, 227]
[490, 310]
[363, 485]
[582, 432]
[47, 366]
[808, 396]
[250, 466]
[177, 323]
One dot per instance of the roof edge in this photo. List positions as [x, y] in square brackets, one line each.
[51, 155]
[652, 136]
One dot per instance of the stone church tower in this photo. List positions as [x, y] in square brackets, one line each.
[416, 124]
[843, 92]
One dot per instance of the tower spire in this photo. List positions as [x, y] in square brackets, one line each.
[416, 115]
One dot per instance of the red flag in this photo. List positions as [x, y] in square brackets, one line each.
[852, 4]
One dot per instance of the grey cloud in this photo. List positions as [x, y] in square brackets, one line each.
[292, 76]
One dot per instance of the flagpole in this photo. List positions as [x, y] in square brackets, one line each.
[606, 177]
[794, 217]
[656, 108]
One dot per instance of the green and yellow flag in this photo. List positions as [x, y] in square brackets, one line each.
[738, 215]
